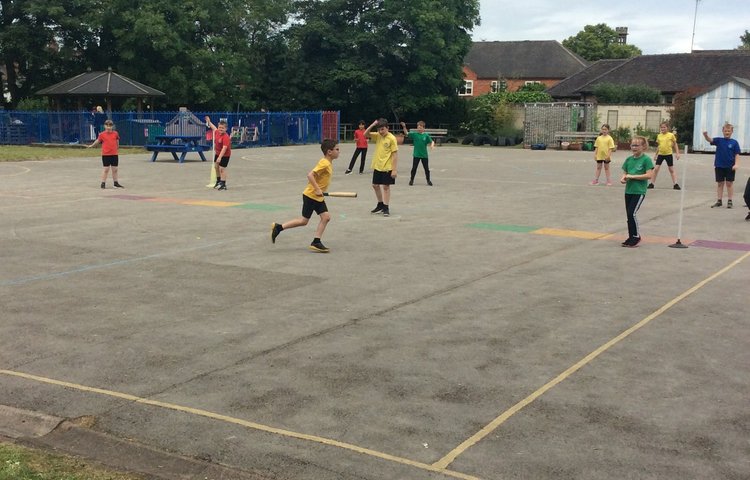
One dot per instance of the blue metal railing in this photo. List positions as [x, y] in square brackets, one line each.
[248, 129]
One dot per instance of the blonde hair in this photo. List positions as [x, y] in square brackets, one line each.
[642, 140]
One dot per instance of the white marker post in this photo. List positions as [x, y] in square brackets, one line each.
[678, 243]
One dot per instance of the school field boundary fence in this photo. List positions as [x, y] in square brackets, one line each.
[247, 129]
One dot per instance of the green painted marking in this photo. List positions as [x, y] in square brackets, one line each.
[261, 206]
[503, 228]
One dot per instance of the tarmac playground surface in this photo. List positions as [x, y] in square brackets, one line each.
[491, 328]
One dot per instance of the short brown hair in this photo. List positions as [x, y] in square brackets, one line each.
[327, 144]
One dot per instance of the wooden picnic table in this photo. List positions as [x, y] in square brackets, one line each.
[175, 144]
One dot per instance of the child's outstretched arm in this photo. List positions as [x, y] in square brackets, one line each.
[96, 142]
[367, 130]
[403, 127]
[705, 135]
[209, 124]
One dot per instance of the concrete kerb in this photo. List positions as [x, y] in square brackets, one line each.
[74, 437]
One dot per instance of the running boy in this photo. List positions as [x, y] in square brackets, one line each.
[318, 180]
[222, 151]
[421, 140]
[637, 171]
[666, 144]
[725, 162]
[360, 140]
[384, 164]
[110, 141]
[603, 148]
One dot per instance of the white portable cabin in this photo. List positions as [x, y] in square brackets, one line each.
[728, 101]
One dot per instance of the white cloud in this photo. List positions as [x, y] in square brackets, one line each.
[664, 26]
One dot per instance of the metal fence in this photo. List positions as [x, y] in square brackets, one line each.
[542, 120]
[247, 129]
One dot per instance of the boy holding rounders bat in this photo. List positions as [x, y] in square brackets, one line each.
[318, 180]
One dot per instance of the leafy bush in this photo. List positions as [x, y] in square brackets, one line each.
[637, 94]
[649, 134]
[683, 116]
[491, 114]
[32, 104]
[621, 134]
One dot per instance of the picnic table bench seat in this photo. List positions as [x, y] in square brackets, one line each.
[175, 144]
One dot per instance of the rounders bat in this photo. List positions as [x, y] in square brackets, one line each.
[340, 194]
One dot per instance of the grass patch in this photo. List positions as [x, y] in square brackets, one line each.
[20, 153]
[22, 463]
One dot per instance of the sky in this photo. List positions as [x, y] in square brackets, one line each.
[654, 26]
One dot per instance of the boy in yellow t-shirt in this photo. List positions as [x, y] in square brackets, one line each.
[603, 148]
[384, 164]
[318, 180]
[666, 142]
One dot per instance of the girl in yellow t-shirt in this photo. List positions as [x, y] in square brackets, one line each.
[666, 142]
[603, 148]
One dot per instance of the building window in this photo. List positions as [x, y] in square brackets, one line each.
[467, 90]
[612, 117]
[493, 86]
[653, 119]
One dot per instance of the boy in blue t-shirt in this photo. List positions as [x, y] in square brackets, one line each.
[725, 162]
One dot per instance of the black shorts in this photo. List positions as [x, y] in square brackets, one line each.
[661, 158]
[382, 178]
[224, 161]
[110, 160]
[603, 161]
[310, 205]
[724, 174]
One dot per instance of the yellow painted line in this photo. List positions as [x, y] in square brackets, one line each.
[569, 233]
[493, 425]
[244, 423]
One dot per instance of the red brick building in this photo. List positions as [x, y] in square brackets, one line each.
[496, 66]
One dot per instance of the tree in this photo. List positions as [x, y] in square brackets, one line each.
[42, 42]
[683, 115]
[596, 42]
[376, 57]
[201, 53]
[745, 39]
